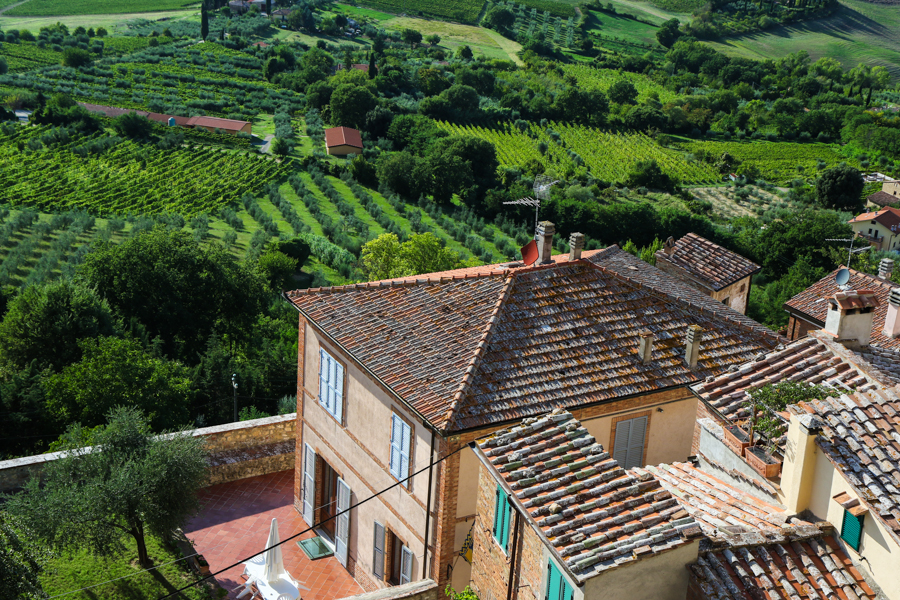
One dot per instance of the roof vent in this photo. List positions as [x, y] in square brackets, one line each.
[576, 245]
[645, 348]
[850, 316]
[886, 268]
[544, 235]
[892, 318]
[692, 345]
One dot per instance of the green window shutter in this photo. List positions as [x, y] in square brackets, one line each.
[500, 517]
[556, 585]
[851, 529]
[566, 590]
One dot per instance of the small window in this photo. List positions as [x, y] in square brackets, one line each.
[629, 445]
[557, 586]
[400, 440]
[502, 514]
[400, 559]
[331, 385]
[851, 529]
[725, 300]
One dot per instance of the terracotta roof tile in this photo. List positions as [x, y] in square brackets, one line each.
[882, 198]
[813, 568]
[812, 303]
[861, 437]
[216, 122]
[479, 349]
[595, 514]
[887, 216]
[709, 262]
[343, 136]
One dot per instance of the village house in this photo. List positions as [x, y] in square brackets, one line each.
[560, 519]
[888, 195]
[394, 375]
[710, 268]
[881, 228]
[213, 124]
[341, 141]
[809, 308]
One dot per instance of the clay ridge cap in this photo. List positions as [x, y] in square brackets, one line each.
[480, 351]
[390, 283]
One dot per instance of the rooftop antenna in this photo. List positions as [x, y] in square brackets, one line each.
[542, 185]
[850, 251]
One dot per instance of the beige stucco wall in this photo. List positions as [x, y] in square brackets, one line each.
[466, 506]
[344, 150]
[359, 449]
[891, 187]
[737, 297]
[880, 550]
[670, 432]
[891, 238]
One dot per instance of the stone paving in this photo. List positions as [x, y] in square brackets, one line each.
[234, 524]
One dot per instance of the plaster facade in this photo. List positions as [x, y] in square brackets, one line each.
[734, 295]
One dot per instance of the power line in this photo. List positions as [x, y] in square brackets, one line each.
[317, 524]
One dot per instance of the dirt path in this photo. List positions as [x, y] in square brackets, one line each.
[12, 6]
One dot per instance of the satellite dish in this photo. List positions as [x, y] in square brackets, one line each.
[842, 277]
[530, 253]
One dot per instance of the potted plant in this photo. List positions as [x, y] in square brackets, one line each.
[202, 565]
[736, 438]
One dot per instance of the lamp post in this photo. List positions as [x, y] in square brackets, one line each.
[234, 384]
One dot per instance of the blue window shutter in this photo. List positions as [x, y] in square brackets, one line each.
[851, 529]
[339, 392]
[566, 590]
[396, 433]
[497, 512]
[323, 378]
[405, 432]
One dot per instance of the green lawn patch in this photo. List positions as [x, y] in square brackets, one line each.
[43, 8]
[67, 573]
[463, 11]
[629, 30]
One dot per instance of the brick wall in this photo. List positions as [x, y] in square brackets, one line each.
[490, 565]
[237, 450]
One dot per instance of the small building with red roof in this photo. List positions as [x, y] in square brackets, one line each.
[341, 141]
[881, 228]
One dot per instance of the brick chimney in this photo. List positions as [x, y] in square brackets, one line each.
[576, 245]
[885, 268]
[669, 246]
[645, 348]
[544, 235]
[892, 318]
[850, 316]
[692, 345]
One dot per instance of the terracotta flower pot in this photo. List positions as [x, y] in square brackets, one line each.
[736, 439]
[762, 462]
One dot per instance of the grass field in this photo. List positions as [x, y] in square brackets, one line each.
[112, 22]
[653, 12]
[358, 12]
[860, 32]
[628, 30]
[463, 11]
[94, 7]
[482, 41]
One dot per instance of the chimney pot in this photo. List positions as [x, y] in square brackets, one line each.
[645, 348]
[544, 236]
[669, 246]
[576, 245]
[692, 345]
[885, 268]
[850, 316]
[892, 317]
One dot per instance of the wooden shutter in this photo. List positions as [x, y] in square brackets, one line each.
[554, 578]
[396, 434]
[342, 527]
[620, 452]
[338, 391]
[406, 565]
[636, 443]
[378, 558]
[309, 483]
[851, 529]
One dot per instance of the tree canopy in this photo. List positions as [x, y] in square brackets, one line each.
[840, 188]
[385, 257]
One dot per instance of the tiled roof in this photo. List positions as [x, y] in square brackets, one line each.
[861, 437]
[813, 568]
[812, 303]
[809, 360]
[884, 363]
[216, 122]
[882, 198]
[887, 216]
[495, 348]
[709, 262]
[594, 514]
[343, 136]
[721, 510]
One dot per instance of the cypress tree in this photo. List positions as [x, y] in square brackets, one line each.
[204, 21]
[269, 8]
[373, 70]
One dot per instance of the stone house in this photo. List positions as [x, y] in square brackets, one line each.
[710, 268]
[888, 195]
[395, 375]
[881, 228]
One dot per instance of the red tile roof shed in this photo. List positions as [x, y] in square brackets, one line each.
[227, 124]
[709, 262]
[343, 136]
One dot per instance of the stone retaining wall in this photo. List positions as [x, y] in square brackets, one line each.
[237, 450]
[425, 589]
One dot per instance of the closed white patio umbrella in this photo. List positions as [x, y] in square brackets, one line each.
[274, 566]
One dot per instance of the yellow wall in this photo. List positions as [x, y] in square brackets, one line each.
[660, 577]
[669, 435]
[891, 238]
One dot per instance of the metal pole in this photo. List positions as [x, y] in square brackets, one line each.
[234, 384]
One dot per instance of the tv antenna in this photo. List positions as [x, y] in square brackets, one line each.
[850, 251]
[541, 187]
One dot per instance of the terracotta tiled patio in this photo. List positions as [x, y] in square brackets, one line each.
[234, 524]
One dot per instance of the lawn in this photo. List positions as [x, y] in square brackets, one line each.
[453, 35]
[112, 22]
[623, 28]
[860, 32]
[657, 12]
[358, 12]
[463, 11]
[95, 7]
[67, 573]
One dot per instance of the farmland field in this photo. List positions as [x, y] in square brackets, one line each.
[94, 7]
[629, 30]
[464, 11]
[453, 35]
[602, 79]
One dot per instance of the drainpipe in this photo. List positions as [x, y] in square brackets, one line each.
[513, 570]
[428, 502]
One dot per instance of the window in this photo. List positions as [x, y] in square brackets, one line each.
[331, 385]
[851, 529]
[557, 586]
[725, 300]
[400, 434]
[502, 517]
[629, 445]
[378, 559]
[401, 561]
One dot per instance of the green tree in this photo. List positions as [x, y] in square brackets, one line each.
[381, 257]
[499, 18]
[668, 33]
[269, 8]
[646, 173]
[119, 372]
[840, 188]
[75, 57]
[101, 32]
[278, 268]
[44, 323]
[349, 105]
[386, 258]
[133, 125]
[21, 562]
[130, 483]
[411, 37]
[766, 302]
[280, 147]
[622, 92]
[464, 52]
[772, 399]
[176, 288]
[433, 39]
[3, 66]
[204, 20]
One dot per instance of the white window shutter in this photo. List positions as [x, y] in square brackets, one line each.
[396, 434]
[342, 527]
[323, 378]
[406, 565]
[623, 433]
[309, 483]
[339, 391]
[378, 558]
[404, 451]
[636, 443]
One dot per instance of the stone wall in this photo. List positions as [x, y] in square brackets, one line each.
[425, 589]
[237, 450]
